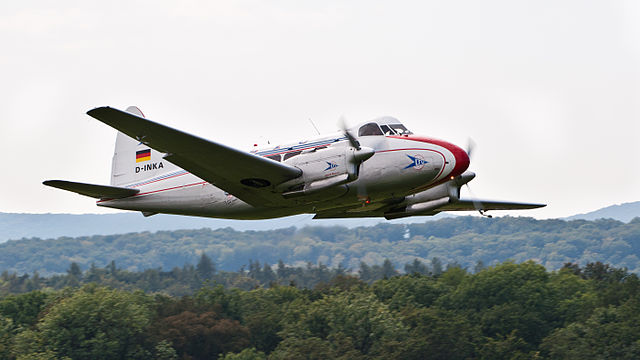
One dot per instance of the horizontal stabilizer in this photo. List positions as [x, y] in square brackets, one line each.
[95, 191]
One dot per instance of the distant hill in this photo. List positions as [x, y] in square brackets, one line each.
[462, 240]
[623, 212]
[46, 226]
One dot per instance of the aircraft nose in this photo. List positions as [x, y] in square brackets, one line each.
[461, 158]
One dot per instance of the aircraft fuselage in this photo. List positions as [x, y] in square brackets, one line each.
[401, 165]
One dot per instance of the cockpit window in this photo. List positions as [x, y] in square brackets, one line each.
[369, 129]
[400, 129]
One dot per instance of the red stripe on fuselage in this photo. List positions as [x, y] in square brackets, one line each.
[461, 157]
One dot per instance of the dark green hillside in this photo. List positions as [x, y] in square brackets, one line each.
[461, 240]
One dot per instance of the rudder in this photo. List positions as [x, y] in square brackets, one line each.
[134, 161]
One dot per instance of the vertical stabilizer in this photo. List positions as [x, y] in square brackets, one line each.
[134, 161]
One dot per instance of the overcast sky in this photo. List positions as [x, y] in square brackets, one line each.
[548, 90]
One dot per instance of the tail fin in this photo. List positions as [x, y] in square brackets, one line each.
[134, 161]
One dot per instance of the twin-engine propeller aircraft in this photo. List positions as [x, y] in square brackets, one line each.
[375, 169]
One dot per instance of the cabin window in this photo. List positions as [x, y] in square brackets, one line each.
[291, 154]
[370, 129]
[275, 157]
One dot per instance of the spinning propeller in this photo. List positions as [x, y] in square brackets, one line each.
[355, 157]
[476, 203]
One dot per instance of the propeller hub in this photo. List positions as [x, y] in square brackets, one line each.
[363, 154]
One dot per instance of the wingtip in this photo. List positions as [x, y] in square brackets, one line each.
[97, 110]
[50, 182]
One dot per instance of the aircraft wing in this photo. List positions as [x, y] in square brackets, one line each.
[460, 205]
[468, 205]
[240, 173]
[95, 191]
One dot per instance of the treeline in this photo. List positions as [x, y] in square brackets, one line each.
[188, 279]
[462, 240]
[504, 311]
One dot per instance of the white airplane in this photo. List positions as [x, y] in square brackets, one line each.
[375, 169]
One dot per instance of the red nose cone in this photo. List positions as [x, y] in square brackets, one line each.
[462, 159]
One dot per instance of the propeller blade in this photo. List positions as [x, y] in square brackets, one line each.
[471, 145]
[352, 140]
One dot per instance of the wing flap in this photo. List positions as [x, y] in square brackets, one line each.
[249, 177]
[460, 205]
[468, 205]
[94, 191]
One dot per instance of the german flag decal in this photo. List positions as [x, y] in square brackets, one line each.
[143, 155]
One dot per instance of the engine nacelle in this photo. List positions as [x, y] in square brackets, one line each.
[325, 171]
[449, 189]
[420, 208]
[321, 170]
[430, 200]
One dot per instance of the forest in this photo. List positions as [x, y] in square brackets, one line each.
[462, 240]
[456, 288]
[433, 311]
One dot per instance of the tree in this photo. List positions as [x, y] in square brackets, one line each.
[74, 275]
[388, 270]
[416, 267]
[348, 325]
[479, 267]
[6, 337]
[205, 268]
[365, 272]
[436, 266]
[440, 333]
[506, 298]
[202, 336]
[92, 323]
[24, 309]
[611, 332]
[164, 351]
[246, 354]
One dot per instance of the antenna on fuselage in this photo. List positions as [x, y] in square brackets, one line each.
[314, 126]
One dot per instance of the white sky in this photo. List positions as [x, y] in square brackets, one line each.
[548, 90]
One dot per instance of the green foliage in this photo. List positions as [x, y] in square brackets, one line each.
[343, 325]
[506, 298]
[6, 336]
[609, 333]
[343, 298]
[164, 351]
[23, 309]
[505, 311]
[93, 323]
[443, 334]
[408, 291]
[246, 354]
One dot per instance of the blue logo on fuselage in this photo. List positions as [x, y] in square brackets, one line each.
[330, 166]
[417, 162]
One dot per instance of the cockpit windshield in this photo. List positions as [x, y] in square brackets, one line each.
[395, 129]
[370, 129]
